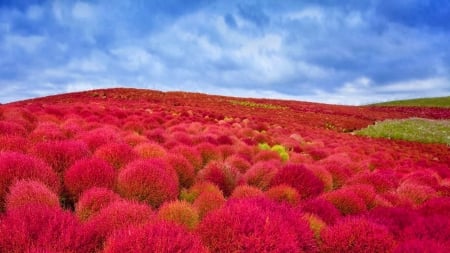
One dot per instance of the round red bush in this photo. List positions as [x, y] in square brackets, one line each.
[180, 212]
[322, 208]
[88, 173]
[16, 166]
[221, 174]
[346, 201]
[184, 169]
[43, 227]
[422, 246]
[93, 200]
[152, 181]
[24, 192]
[256, 225]
[299, 177]
[116, 154]
[261, 174]
[155, 237]
[356, 235]
[60, 155]
[396, 219]
[116, 216]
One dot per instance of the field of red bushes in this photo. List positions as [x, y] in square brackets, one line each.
[128, 170]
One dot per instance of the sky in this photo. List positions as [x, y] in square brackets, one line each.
[332, 51]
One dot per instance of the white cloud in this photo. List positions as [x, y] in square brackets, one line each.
[96, 62]
[28, 43]
[435, 83]
[82, 11]
[311, 13]
[133, 58]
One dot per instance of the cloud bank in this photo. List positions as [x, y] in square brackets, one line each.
[353, 53]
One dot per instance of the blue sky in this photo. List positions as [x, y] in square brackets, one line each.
[345, 52]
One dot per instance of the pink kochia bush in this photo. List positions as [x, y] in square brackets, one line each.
[93, 200]
[16, 166]
[41, 227]
[221, 174]
[256, 225]
[161, 236]
[24, 192]
[185, 170]
[152, 181]
[88, 173]
[116, 154]
[116, 216]
[356, 235]
[60, 155]
[300, 178]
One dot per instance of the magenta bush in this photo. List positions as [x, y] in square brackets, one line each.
[221, 174]
[93, 200]
[346, 201]
[24, 192]
[16, 166]
[299, 177]
[356, 235]
[116, 154]
[261, 174]
[51, 229]
[164, 237]
[396, 219]
[60, 155]
[149, 180]
[88, 173]
[185, 170]
[422, 246]
[256, 225]
[322, 208]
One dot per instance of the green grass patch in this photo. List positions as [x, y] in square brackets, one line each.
[424, 102]
[413, 129]
[256, 105]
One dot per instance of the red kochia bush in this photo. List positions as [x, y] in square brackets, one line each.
[396, 219]
[191, 154]
[256, 225]
[437, 206]
[322, 208]
[346, 201]
[60, 155]
[356, 235]
[184, 169]
[160, 236]
[434, 227]
[221, 174]
[42, 227]
[116, 216]
[422, 246]
[87, 173]
[13, 143]
[99, 136]
[299, 177]
[24, 192]
[261, 174]
[93, 200]
[16, 166]
[150, 180]
[180, 212]
[116, 154]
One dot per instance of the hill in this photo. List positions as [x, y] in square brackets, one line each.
[125, 169]
[420, 102]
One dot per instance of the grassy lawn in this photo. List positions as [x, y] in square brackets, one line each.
[414, 129]
[428, 102]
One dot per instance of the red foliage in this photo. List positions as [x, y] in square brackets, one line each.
[50, 229]
[422, 246]
[60, 155]
[180, 212]
[12, 128]
[322, 208]
[221, 174]
[209, 152]
[13, 143]
[346, 201]
[283, 193]
[261, 174]
[191, 154]
[356, 235]
[238, 162]
[396, 219]
[24, 192]
[16, 166]
[246, 191]
[116, 154]
[299, 177]
[150, 150]
[88, 173]
[435, 227]
[185, 170]
[437, 206]
[152, 181]
[93, 200]
[154, 237]
[116, 216]
[99, 136]
[47, 131]
[256, 225]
